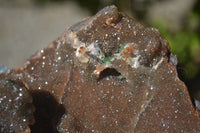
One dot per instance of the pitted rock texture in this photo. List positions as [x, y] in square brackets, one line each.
[110, 74]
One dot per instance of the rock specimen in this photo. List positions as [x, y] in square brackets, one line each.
[108, 73]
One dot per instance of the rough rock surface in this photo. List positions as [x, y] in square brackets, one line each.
[108, 73]
[16, 110]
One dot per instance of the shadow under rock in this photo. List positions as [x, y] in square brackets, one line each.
[48, 112]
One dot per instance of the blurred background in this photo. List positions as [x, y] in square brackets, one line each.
[27, 26]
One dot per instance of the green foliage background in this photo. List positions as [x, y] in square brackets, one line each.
[185, 44]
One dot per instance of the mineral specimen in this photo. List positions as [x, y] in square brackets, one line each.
[109, 73]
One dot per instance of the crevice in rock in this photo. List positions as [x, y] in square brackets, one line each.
[110, 72]
[48, 112]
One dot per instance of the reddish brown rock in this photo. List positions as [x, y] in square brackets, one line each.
[109, 73]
